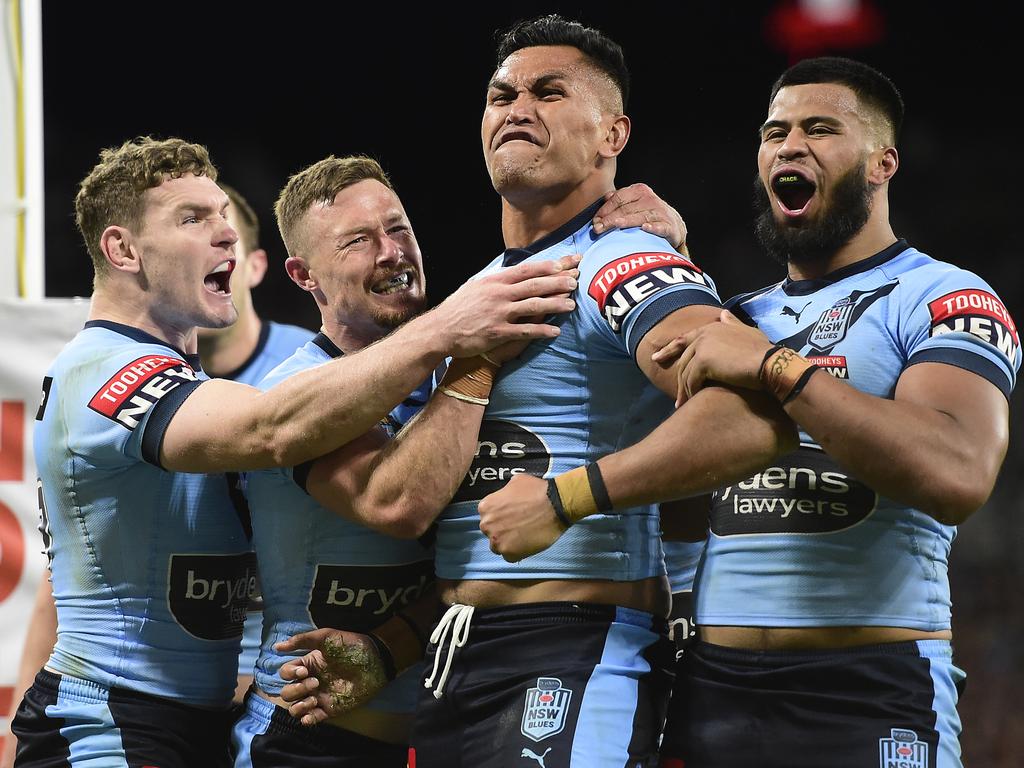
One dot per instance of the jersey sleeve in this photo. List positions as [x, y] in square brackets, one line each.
[120, 404]
[956, 318]
[631, 280]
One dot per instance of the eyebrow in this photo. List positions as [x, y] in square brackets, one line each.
[806, 121]
[198, 207]
[389, 220]
[540, 82]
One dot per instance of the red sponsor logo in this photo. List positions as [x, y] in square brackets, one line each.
[411, 763]
[621, 270]
[133, 390]
[833, 364]
[626, 282]
[971, 302]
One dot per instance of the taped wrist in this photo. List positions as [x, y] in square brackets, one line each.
[784, 373]
[469, 379]
[578, 493]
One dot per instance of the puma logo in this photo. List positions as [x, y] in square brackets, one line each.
[793, 313]
[534, 756]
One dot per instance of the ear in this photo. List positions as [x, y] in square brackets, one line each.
[615, 141]
[117, 246]
[256, 261]
[884, 165]
[298, 271]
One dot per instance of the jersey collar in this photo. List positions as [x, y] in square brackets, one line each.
[513, 256]
[805, 287]
[328, 346]
[141, 336]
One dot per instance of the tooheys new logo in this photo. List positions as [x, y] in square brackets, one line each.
[976, 312]
[803, 492]
[209, 594]
[131, 392]
[362, 597]
[504, 449]
[626, 282]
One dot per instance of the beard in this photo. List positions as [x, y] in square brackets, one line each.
[844, 216]
[392, 319]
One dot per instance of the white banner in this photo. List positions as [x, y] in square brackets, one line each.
[31, 335]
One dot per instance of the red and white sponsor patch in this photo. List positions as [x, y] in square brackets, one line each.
[137, 387]
[977, 312]
[834, 364]
[627, 281]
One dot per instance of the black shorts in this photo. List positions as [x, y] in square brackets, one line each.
[891, 705]
[682, 626]
[267, 736]
[552, 685]
[66, 721]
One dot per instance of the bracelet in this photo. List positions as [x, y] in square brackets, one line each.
[464, 398]
[801, 383]
[387, 659]
[784, 373]
[556, 504]
[578, 493]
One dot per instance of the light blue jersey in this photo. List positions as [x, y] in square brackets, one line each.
[319, 570]
[151, 569]
[567, 401]
[803, 543]
[277, 342]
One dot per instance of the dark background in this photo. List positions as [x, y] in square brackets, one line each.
[271, 89]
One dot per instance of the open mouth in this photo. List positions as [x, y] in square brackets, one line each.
[394, 284]
[219, 280]
[793, 190]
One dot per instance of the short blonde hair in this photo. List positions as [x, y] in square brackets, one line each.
[320, 183]
[112, 193]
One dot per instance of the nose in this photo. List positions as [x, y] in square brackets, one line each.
[795, 145]
[390, 252]
[520, 111]
[225, 236]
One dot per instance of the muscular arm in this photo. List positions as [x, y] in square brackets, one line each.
[399, 486]
[225, 426]
[717, 437]
[936, 446]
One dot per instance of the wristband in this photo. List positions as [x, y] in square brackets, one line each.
[469, 379]
[387, 659]
[784, 373]
[421, 639]
[578, 493]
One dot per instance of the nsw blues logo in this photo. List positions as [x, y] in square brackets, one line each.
[902, 750]
[546, 708]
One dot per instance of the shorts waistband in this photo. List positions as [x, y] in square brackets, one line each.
[917, 648]
[540, 614]
[274, 718]
[87, 691]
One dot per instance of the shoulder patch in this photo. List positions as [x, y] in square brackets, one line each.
[979, 313]
[132, 391]
[622, 284]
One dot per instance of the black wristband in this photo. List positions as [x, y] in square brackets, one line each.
[800, 384]
[420, 637]
[598, 488]
[556, 502]
[387, 659]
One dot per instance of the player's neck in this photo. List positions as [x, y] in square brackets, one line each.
[351, 338]
[110, 303]
[526, 218]
[226, 350]
[874, 237]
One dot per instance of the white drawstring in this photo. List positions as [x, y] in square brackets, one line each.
[457, 617]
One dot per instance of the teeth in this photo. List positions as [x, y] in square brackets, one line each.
[224, 266]
[396, 283]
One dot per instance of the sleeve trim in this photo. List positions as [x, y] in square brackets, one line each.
[661, 308]
[160, 418]
[965, 360]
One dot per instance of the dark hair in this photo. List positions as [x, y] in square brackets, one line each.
[601, 51]
[870, 85]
